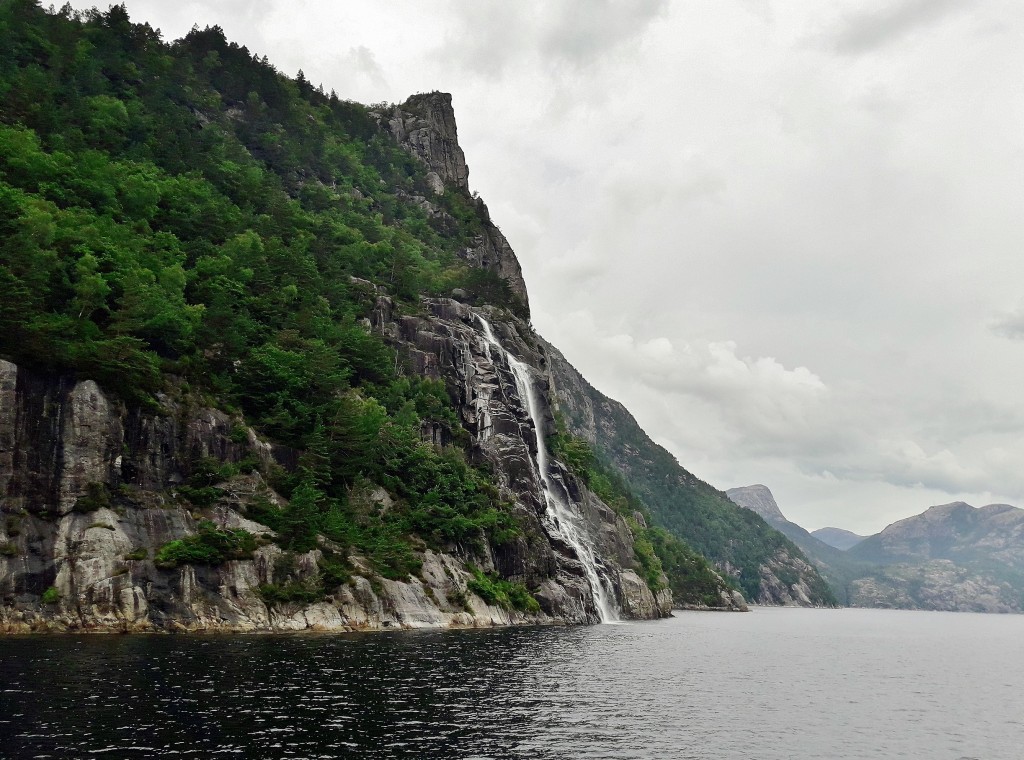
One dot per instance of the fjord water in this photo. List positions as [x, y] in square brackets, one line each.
[768, 684]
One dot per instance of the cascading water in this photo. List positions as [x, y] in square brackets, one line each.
[561, 516]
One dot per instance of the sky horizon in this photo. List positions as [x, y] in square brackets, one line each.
[785, 235]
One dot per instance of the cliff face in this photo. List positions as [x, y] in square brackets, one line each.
[89, 496]
[425, 126]
[91, 488]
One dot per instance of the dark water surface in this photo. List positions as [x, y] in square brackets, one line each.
[768, 684]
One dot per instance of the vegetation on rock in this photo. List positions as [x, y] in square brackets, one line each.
[208, 546]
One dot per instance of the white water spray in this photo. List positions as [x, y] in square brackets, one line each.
[562, 517]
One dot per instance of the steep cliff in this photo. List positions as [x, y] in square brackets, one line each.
[425, 125]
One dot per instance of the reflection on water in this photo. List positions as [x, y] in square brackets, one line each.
[769, 684]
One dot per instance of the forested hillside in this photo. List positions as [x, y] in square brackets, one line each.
[191, 229]
[187, 210]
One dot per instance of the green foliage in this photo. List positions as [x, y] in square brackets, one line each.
[209, 546]
[137, 554]
[50, 596]
[691, 578]
[96, 496]
[9, 549]
[288, 587]
[506, 594]
[188, 202]
[291, 591]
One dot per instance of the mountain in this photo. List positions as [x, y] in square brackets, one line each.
[837, 537]
[266, 364]
[950, 557]
[835, 566]
[759, 499]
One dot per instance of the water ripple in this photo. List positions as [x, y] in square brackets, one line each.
[770, 684]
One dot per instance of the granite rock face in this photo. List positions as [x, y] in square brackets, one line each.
[449, 345]
[425, 125]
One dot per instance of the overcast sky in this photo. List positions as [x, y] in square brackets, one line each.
[786, 234]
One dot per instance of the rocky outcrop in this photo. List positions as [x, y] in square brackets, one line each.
[759, 499]
[425, 126]
[98, 573]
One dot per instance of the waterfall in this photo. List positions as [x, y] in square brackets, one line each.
[561, 516]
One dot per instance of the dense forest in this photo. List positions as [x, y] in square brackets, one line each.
[182, 217]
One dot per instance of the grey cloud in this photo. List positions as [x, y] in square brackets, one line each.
[1009, 324]
[869, 31]
[489, 36]
[584, 30]
[362, 61]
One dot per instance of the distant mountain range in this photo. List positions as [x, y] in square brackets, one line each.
[949, 557]
[837, 537]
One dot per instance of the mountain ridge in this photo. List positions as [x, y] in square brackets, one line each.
[949, 557]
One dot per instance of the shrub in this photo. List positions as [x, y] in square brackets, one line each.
[8, 549]
[503, 593]
[203, 496]
[209, 546]
[292, 591]
[333, 572]
[96, 496]
[50, 596]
